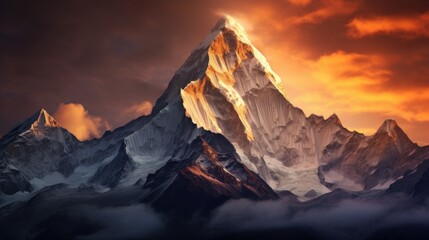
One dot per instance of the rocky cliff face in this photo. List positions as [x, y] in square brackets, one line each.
[372, 162]
[209, 175]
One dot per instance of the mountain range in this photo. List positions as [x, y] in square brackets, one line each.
[223, 129]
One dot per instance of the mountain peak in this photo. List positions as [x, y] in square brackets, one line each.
[236, 69]
[334, 118]
[42, 119]
[389, 126]
[224, 24]
[38, 125]
[230, 23]
[227, 19]
[39, 122]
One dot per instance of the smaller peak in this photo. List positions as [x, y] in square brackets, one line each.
[43, 119]
[390, 121]
[36, 124]
[36, 116]
[389, 125]
[315, 118]
[334, 118]
[43, 113]
[39, 113]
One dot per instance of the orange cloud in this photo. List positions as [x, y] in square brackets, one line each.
[78, 121]
[281, 17]
[356, 83]
[406, 26]
[139, 109]
[328, 9]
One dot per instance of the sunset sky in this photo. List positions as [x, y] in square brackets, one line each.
[95, 65]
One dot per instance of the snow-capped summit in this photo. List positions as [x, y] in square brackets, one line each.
[42, 118]
[235, 68]
[40, 125]
[226, 22]
[40, 122]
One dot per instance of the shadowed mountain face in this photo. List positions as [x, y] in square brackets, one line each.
[222, 130]
[209, 175]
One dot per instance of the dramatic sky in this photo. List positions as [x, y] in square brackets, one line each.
[95, 65]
